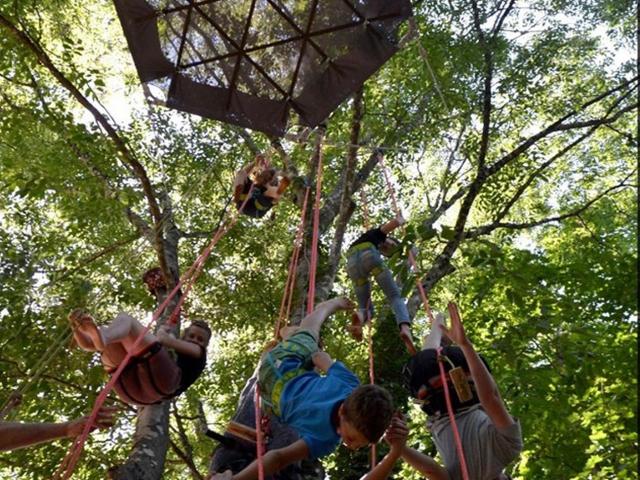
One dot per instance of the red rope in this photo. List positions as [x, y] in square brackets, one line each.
[259, 440]
[65, 470]
[314, 241]
[287, 296]
[412, 259]
[452, 418]
[372, 379]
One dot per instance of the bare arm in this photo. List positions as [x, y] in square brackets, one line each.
[273, 461]
[14, 435]
[322, 361]
[424, 464]
[17, 435]
[391, 225]
[166, 338]
[486, 386]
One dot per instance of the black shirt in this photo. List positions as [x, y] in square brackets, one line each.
[259, 204]
[191, 369]
[375, 236]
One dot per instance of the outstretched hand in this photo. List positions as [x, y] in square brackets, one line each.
[456, 331]
[397, 433]
[105, 419]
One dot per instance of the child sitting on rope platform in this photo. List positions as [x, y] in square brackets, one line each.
[268, 187]
[153, 374]
[491, 437]
[363, 261]
[322, 409]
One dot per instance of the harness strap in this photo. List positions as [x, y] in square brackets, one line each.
[359, 247]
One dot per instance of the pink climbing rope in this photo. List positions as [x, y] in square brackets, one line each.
[453, 312]
[259, 440]
[287, 296]
[313, 264]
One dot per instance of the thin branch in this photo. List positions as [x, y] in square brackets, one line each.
[188, 462]
[64, 273]
[554, 127]
[483, 230]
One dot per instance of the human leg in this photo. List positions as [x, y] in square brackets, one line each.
[390, 289]
[76, 318]
[313, 322]
[125, 330]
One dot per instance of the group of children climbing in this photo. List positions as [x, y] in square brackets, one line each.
[319, 398]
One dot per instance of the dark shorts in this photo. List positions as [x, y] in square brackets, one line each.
[290, 358]
[149, 378]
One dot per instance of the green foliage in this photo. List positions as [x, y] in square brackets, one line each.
[553, 308]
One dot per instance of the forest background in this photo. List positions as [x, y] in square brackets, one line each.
[510, 131]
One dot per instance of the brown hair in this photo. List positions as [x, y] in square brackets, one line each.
[369, 409]
[201, 324]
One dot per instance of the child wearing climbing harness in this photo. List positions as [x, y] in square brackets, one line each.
[153, 374]
[490, 436]
[322, 409]
[268, 187]
[363, 261]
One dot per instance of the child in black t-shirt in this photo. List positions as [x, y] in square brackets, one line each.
[268, 186]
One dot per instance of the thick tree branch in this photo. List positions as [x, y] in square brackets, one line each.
[346, 208]
[486, 93]
[485, 229]
[554, 127]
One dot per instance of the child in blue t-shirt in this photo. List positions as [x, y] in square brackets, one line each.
[323, 409]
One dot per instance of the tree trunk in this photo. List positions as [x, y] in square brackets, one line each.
[151, 438]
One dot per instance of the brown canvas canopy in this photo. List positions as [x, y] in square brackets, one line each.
[248, 62]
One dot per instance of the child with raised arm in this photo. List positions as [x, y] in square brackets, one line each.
[153, 374]
[364, 260]
[323, 409]
[491, 437]
[268, 187]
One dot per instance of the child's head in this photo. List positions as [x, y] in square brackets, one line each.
[422, 378]
[265, 176]
[198, 332]
[364, 416]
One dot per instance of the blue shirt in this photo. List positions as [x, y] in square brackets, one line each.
[308, 401]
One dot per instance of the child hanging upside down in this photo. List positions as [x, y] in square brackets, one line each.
[153, 374]
[363, 261]
[323, 410]
[268, 187]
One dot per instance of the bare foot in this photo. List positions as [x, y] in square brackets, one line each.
[355, 329]
[88, 327]
[407, 339]
[82, 339]
[335, 304]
